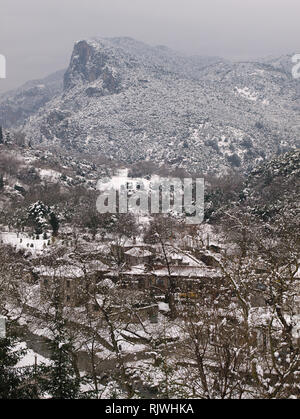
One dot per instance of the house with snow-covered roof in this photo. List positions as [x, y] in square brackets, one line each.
[137, 256]
[68, 281]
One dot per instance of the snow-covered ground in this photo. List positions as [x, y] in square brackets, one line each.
[49, 174]
[31, 358]
[23, 241]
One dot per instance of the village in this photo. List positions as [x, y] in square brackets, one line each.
[139, 288]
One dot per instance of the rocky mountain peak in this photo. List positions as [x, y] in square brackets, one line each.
[133, 102]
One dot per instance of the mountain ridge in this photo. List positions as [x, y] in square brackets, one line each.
[132, 102]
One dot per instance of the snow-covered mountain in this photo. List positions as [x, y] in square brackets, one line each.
[19, 104]
[128, 101]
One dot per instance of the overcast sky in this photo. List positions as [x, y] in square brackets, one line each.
[37, 36]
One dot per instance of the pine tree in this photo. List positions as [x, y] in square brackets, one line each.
[54, 222]
[14, 383]
[1, 135]
[62, 381]
[8, 138]
[38, 214]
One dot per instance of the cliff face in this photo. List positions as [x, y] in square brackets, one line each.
[79, 65]
[89, 62]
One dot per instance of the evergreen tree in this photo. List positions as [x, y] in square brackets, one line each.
[38, 214]
[63, 381]
[54, 222]
[14, 383]
[41, 216]
[8, 138]
[1, 135]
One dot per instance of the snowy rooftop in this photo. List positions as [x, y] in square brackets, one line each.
[188, 272]
[138, 252]
[64, 271]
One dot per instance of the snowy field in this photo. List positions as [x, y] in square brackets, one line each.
[23, 241]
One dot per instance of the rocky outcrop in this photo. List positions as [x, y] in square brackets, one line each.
[89, 63]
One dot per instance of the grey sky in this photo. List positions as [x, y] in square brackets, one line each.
[37, 36]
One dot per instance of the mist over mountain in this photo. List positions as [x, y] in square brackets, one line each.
[131, 102]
